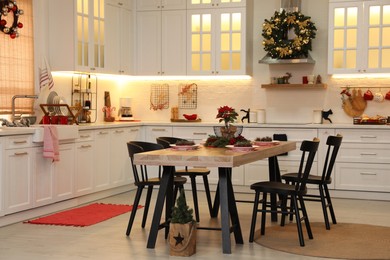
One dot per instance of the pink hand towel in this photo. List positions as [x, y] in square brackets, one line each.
[50, 143]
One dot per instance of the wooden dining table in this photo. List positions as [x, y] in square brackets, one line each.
[225, 160]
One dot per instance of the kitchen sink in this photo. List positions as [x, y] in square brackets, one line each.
[65, 132]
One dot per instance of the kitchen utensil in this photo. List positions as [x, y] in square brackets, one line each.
[387, 95]
[378, 97]
[368, 95]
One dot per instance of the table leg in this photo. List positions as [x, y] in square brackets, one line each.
[274, 175]
[228, 209]
[233, 211]
[225, 220]
[165, 191]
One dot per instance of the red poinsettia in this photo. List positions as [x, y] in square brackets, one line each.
[227, 114]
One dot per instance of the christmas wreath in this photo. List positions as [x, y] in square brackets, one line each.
[288, 35]
[7, 7]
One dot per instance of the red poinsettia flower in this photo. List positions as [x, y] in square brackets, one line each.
[227, 114]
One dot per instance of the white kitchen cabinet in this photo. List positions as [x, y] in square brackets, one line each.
[119, 24]
[161, 42]
[152, 132]
[18, 174]
[197, 4]
[101, 159]
[79, 43]
[363, 160]
[216, 40]
[152, 5]
[85, 168]
[120, 170]
[359, 37]
[54, 181]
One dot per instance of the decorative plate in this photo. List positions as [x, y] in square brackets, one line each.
[184, 147]
[241, 148]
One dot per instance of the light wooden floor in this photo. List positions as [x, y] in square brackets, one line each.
[107, 240]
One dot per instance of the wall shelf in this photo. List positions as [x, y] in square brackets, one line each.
[291, 86]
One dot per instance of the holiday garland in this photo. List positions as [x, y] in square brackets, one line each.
[277, 30]
[6, 7]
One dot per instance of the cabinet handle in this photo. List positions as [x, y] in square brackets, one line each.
[283, 170]
[20, 142]
[120, 3]
[118, 131]
[92, 69]
[19, 154]
[368, 173]
[158, 130]
[85, 136]
[85, 146]
[134, 130]
[103, 133]
[368, 136]
[199, 133]
[368, 154]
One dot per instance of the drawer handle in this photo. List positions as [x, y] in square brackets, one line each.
[134, 130]
[368, 154]
[103, 133]
[85, 136]
[86, 146]
[20, 142]
[367, 173]
[283, 170]
[158, 130]
[119, 131]
[200, 133]
[19, 154]
[368, 136]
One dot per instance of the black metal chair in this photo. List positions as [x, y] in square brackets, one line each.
[192, 173]
[142, 180]
[334, 143]
[285, 192]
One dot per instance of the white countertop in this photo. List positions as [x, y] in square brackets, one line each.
[6, 131]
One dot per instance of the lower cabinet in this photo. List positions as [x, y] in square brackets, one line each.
[18, 180]
[364, 160]
[54, 181]
[84, 162]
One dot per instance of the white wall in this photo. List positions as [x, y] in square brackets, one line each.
[244, 94]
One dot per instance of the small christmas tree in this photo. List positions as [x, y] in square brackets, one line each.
[181, 213]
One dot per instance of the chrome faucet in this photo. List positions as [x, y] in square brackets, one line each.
[14, 117]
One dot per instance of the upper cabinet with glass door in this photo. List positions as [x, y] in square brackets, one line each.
[197, 4]
[359, 37]
[78, 43]
[216, 41]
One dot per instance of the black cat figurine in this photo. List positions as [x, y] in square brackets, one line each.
[326, 114]
[246, 116]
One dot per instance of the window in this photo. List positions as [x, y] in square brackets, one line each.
[17, 63]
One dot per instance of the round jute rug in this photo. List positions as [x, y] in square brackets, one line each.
[342, 241]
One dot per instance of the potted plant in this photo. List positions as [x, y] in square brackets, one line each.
[182, 230]
[227, 115]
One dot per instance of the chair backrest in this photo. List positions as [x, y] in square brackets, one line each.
[334, 143]
[140, 172]
[309, 150]
[167, 141]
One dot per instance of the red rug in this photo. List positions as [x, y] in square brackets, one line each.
[83, 216]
